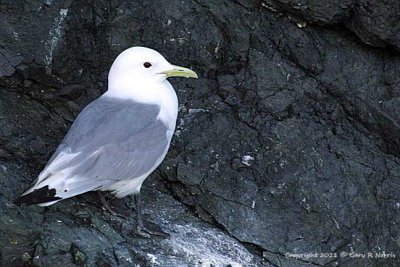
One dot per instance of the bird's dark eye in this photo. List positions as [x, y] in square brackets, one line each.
[147, 65]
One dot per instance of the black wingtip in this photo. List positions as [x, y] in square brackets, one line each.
[37, 196]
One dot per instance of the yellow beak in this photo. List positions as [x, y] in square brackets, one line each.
[177, 71]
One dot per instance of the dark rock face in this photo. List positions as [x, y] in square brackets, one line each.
[288, 143]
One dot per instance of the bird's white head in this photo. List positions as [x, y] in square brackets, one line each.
[140, 73]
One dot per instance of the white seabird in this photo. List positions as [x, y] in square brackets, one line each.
[119, 139]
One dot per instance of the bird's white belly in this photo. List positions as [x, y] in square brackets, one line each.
[128, 187]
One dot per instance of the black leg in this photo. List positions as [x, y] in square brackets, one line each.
[139, 220]
[107, 206]
[141, 229]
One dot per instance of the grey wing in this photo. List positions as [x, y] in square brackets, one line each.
[108, 143]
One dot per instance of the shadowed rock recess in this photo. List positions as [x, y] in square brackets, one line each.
[287, 149]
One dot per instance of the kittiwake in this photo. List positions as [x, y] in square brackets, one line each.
[119, 139]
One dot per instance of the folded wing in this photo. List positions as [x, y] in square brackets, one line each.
[112, 145]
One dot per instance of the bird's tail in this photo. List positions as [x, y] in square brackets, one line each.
[55, 187]
[44, 196]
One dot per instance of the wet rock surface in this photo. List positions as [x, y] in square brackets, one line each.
[287, 143]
